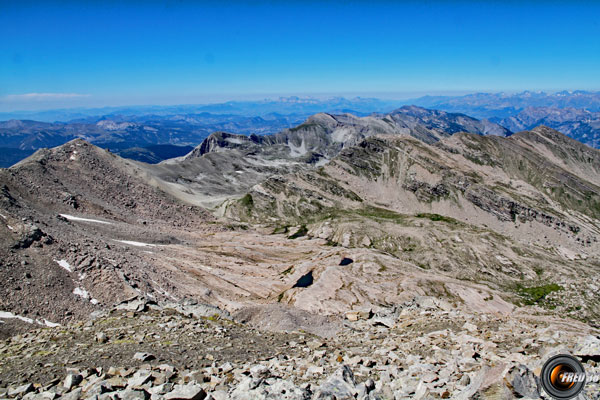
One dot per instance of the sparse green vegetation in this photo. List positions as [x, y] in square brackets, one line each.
[535, 295]
[437, 217]
[288, 271]
[381, 213]
[306, 125]
[247, 201]
[321, 171]
[280, 229]
[302, 231]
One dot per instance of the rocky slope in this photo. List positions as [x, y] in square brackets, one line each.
[74, 264]
[442, 269]
[226, 164]
[421, 349]
[498, 205]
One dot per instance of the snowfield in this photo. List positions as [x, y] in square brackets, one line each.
[134, 243]
[80, 219]
[65, 264]
[44, 322]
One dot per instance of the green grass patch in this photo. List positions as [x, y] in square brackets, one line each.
[437, 217]
[381, 213]
[123, 341]
[247, 201]
[537, 294]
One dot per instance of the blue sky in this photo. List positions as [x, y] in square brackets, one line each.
[114, 53]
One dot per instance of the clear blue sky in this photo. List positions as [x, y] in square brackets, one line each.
[107, 53]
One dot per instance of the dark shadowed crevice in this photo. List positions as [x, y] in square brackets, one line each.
[305, 280]
[346, 261]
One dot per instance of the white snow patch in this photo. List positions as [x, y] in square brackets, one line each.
[3, 216]
[50, 324]
[81, 292]
[84, 293]
[65, 264]
[9, 315]
[10, 227]
[134, 243]
[73, 218]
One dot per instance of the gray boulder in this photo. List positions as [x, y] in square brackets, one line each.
[339, 386]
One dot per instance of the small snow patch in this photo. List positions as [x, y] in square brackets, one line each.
[134, 243]
[9, 315]
[10, 227]
[3, 216]
[81, 292]
[65, 264]
[50, 324]
[43, 322]
[73, 218]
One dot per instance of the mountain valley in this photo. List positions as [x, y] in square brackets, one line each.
[348, 252]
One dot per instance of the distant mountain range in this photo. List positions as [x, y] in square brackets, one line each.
[502, 105]
[132, 136]
[269, 109]
[137, 137]
[579, 124]
[129, 131]
[574, 113]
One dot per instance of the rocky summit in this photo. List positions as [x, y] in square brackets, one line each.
[414, 254]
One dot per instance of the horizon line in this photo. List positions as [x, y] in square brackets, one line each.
[272, 97]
